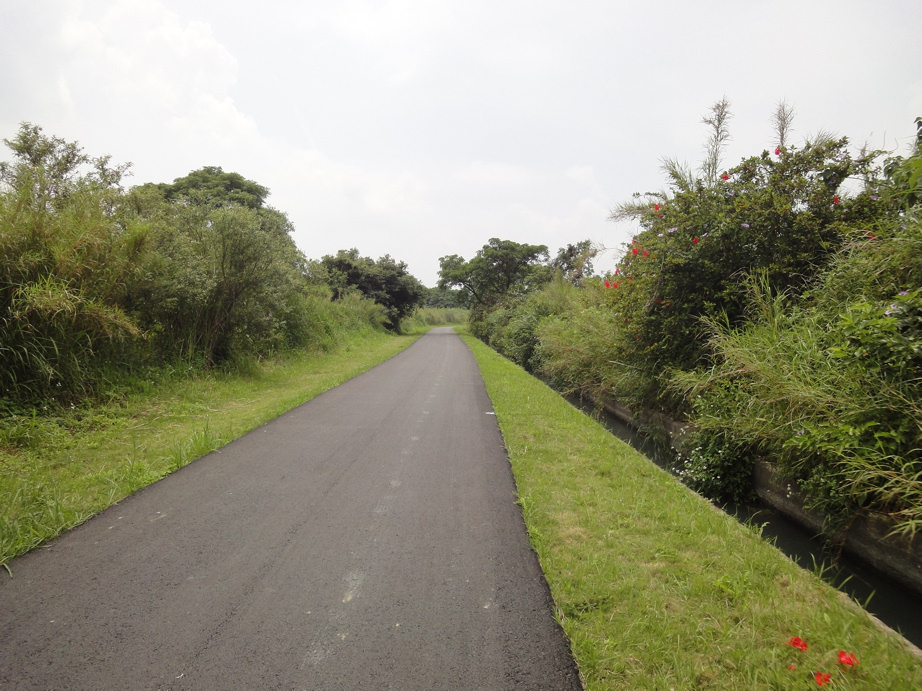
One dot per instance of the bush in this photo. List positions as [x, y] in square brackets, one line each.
[830, 390]
[67, 257]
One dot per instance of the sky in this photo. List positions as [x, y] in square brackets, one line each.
[420, 129]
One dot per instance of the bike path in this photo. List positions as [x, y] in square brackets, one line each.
[368, 539]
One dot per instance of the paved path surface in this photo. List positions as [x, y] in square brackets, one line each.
[368, 539]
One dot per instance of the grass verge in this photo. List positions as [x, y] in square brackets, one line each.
[58, 470]
[656, 588]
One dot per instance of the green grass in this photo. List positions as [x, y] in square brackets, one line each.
[656, 588]
[59, 469]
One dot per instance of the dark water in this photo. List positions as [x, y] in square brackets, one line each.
[897, 606]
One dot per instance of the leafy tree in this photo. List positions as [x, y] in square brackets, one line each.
[211, 185]
[227, 276]
[501, 269]
[447, 297]
[385, 281]
[574, 262]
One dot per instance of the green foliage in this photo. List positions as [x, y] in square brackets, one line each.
[221, 284]
[501, 270]
[513, 329]
[776, 309]
[447, 297]
[829, 390]
[717, 466]
[66, 259]
[574, 262]
[426, 317]
[211, 186]
[385, 282]
[97, 282]
[905, 175]
[781, 216]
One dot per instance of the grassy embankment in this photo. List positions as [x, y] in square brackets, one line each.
[59, 469]
[656, 588]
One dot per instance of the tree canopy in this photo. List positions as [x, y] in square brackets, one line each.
[385, 281]
[499, 269]
[213, 186]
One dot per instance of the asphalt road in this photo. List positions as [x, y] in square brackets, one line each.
[368, 539]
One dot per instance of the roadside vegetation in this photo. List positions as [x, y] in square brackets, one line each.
[776, 305]
[657, 589]
[141, 328]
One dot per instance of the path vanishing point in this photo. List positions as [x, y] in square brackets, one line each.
[368, 539]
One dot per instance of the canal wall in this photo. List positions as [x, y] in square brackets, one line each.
[867, 537]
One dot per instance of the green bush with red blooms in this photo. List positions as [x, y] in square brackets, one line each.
[780, 215]
[777, 305]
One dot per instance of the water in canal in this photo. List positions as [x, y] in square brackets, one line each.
[897, 606]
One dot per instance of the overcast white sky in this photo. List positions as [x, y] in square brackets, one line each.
[423, 128]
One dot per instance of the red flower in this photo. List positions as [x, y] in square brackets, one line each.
[835, 199]
[614, 285]
[872, 237]
[607, 284]
[616, 271]
[822, 679]
[724, 177]
[646, 253]
[695, 241]
[847, 659]
[777, 151]
[633, 250]
[792, 667]
[656, 207]
[798, 642]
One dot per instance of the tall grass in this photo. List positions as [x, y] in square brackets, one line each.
[830, 390]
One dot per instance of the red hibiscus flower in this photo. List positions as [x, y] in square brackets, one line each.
[798, 642]
[847, 659]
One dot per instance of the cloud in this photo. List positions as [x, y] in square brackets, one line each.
[423, 129]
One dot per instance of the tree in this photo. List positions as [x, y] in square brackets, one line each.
[447, 297]
[228, 270]
[501, 268]
[385, 281]
[211, 185]
[574, 262]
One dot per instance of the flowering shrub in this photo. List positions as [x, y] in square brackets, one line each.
[830, 386]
